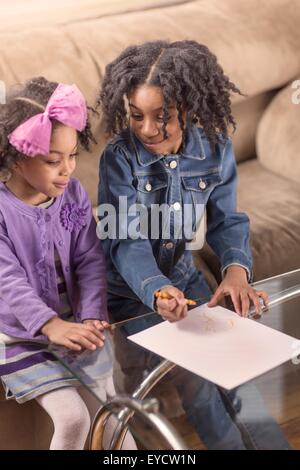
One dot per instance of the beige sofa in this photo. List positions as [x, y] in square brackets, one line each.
[257, 44]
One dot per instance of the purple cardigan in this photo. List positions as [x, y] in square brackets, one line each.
[28, 234]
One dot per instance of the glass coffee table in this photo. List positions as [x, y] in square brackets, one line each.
[152, 409]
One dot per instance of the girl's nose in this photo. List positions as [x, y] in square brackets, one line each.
[67, 169]
[149, 128]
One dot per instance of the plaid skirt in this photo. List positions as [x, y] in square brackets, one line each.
[29, 369]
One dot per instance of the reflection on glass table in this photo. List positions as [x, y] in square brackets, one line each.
[92, 369]
[265, 410]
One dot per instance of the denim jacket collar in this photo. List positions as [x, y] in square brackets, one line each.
[144, 157]
[194, 148]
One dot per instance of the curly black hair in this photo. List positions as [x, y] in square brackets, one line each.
[187, 73]
[23, 103]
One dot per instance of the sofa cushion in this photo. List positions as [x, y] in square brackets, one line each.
[273, 205]
[278, 135]
[257, 51]
[247, 114]
[17, 14]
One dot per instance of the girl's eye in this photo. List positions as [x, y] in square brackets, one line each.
[137, 117]
[52, 162]
[73, 155]
[161, 118]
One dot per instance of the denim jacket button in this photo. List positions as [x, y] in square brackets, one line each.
[173, 164]
[60, 242]
[176, 206]
[148, 187]
[202, 184]
[169, 245]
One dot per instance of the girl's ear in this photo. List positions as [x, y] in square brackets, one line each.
[16, 166]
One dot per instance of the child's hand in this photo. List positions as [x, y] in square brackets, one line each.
[174, 308]
[99, 324]
[242, 294]
[74, 336]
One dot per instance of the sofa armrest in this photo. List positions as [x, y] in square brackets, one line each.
[278, 137]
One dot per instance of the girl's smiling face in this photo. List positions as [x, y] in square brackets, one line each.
[39, 178]
[146, 121]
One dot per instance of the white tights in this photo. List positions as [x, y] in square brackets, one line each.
[71, 410]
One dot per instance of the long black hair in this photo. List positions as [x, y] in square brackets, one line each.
[187, 73]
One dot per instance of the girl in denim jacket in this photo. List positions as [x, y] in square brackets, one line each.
[52, 267]
[168, 106]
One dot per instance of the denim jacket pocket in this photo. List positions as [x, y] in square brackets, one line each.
[196, 191]
[201, 186]
[151, 189]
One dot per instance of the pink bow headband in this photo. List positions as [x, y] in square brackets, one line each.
[66, 105]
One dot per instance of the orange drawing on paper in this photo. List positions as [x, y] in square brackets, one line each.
[213, 325]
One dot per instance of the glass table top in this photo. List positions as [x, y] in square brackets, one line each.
[167, 407]
[266, 410]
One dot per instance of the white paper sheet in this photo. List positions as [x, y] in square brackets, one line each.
[218, 345]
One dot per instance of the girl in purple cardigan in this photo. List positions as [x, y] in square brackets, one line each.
[52, 268]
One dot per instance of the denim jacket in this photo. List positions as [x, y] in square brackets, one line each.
[137, 267]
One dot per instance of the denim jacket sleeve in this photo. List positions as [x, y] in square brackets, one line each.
[227, 229]
[133, 258]
[90, 268]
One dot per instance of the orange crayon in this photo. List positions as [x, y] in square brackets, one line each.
[164, 295]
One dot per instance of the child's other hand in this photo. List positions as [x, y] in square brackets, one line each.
[173, 308]
[101, 325]
[242, 294]
[74, 336]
